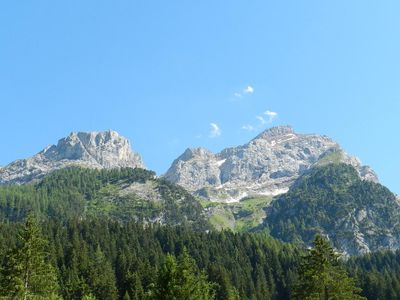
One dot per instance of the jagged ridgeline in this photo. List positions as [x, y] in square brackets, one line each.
[296, 185]
[267, 165]
[122, 194]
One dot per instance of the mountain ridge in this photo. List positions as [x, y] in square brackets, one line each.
[267, 165]
[272, 172]
[358, 216]
[106, 149]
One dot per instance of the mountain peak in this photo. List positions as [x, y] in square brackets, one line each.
[268, 165]
[193, 152]
[97, 136]
[106, 149]
[276, 131]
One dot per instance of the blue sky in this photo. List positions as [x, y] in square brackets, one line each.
[175, 74]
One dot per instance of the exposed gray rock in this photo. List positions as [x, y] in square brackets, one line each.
[267, 165]
[363, 231]
[84, 149]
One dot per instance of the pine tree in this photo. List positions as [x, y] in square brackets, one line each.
[225, 290]
[89, 297]
[193, 283]
[27, 274]
[102, 277]
[322, 278]
[182, 281]
[126, 296]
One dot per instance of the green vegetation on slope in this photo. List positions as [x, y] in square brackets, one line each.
[81, 220]
[322, 276]
[333, 157]
[238, 216]
[121, 194]
[333, 200]
[378, 274]
[26, 271]
[104, 259]
[110, 259]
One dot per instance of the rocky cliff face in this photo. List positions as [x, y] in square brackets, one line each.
[267, 165]
[85, 149]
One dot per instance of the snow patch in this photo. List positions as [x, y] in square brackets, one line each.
[274, 192]
[220, 162]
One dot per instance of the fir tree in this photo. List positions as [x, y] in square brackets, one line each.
[88, 297]
[101, 277]
[321, 276]
[126, 296]
[182, 281]
[27, 274]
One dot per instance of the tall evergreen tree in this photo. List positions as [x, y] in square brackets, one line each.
[27, 273]
[182, 281]
[322, 278]
[102, 277]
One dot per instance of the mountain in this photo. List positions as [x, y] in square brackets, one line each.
[295, 185]
[358, 216]
[267, 165]
[96, 150]
[123, 194]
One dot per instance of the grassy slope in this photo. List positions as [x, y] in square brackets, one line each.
[239, 216]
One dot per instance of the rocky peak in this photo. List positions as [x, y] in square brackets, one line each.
[275, 132]
[99, 150]
[195, 152]
[267, 165]
[108, 149]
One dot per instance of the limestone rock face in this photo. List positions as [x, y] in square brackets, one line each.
[267, 165]
[84, 149]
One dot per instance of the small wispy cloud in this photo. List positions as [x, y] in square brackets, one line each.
[215, 130]
[248, 90]
[248, 127]
[263, 119]
[271, 115]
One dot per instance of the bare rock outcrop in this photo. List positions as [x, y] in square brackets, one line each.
[97, 150]
[267, 165]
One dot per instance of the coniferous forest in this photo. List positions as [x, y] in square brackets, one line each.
[73, 236]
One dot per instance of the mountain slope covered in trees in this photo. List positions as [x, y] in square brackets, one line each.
[358, 216]
[134, 229]
[120, 194]
[106, 259]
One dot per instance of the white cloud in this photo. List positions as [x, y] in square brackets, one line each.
[266, 117]
[261, 119]
[271, 115]
[248, 127]
[215, 130]
[248, 90]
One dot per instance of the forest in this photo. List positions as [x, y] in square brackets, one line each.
[62, 239]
